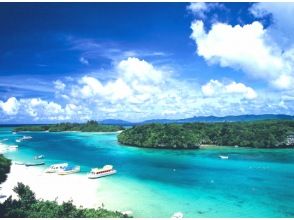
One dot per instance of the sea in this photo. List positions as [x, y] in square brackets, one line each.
[159, 183]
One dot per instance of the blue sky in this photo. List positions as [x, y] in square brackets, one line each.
[137, 61]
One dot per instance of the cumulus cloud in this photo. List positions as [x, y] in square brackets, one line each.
[10, 107]
[59, 85]
[281, 15]
[248, 48]
[200, 9]
[216, 88]
[38, 109]
[140, 90]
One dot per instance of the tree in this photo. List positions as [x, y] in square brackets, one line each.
[4, 168]
[29, 207]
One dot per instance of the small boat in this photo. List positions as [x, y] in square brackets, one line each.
[178, 215]
[27, 137]
[34, 164]
[14, 132]
[223, 157]
[128, 213]
[39, 157]
[69, 170]
[56, 167]
[12, 147]
[18, 163]
[18, 140]
[100, 172]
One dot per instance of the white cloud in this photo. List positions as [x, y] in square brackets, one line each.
[282, 25]
[248, 48]
[140, 90]
[198, 8]
[59, 85]
[38, 109]
[219, 89]
[201, 8]
[10, 107]
[83, 60]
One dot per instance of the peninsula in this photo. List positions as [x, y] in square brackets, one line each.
[256, 134]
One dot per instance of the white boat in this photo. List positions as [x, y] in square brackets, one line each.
[39, 157]
[14, 132]
[223, 157]
[56, 167]
[12, 148]
[128, 213]
[178, 215]
[100, 172]
[69, 170]
[19, 163]
[18, 140]
[34, 164]
[26, 137]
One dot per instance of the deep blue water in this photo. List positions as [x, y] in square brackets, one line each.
[157, 183]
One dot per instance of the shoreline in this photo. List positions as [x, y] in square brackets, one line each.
[53, 187]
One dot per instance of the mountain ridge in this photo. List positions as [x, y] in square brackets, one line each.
[229, 118]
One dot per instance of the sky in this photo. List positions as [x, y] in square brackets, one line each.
[139, 61]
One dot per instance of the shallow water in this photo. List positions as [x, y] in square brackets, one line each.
[157, 183]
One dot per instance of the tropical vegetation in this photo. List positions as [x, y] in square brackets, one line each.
[4, 168]
[27, 206]
[258, 134]
[90, 126]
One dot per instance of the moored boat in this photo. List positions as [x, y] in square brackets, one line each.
[178, 215]
[69, 170]
[26, 137]
[12, 147]
[18, 163]
[56, 167]
[35, 164]
[39, 157]
[100, 172]
[223, 157]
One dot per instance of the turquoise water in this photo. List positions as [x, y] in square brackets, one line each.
[158, 183]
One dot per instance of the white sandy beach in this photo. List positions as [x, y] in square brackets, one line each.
[74, 187]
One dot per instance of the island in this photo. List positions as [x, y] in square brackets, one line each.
[90, 126]
[256, 134]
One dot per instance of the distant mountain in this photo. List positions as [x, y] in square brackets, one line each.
[230, 118]
[116, 122]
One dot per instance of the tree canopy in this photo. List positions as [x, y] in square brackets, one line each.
[27, 206]
[4, 168]
[258, 134]
[90, 126]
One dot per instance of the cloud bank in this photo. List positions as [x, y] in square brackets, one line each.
[139, 91]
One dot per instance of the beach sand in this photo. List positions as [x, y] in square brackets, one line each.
[75, 187]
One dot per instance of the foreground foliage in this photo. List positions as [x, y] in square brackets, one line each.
[258, 134]
[90, 126]
[29, 207]
[4, 168]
